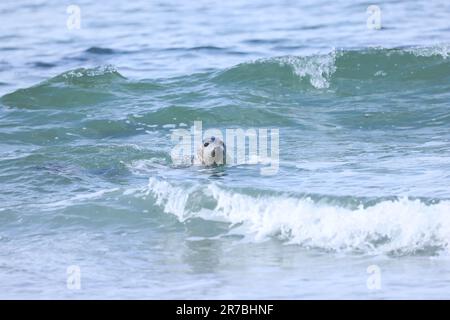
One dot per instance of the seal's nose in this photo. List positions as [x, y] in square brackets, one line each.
[213, 153]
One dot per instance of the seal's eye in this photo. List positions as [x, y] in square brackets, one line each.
[206, 144]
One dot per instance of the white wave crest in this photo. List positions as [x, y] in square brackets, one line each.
[94, 72]
[442, 50]
[401, 226]
[318, 68]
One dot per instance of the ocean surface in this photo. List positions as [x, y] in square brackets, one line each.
[92, 206]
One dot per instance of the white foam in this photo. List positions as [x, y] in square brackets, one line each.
[318, 68]
[173, 199]
[442, 50]
[97, 71]
[403, 226]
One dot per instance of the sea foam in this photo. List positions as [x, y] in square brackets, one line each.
[401, 226]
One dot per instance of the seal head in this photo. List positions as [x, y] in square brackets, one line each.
[212, 152]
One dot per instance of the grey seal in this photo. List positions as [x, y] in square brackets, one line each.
[212, 152]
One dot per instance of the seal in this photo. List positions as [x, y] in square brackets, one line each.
[212, 152]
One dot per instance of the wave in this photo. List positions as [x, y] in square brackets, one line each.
[397, 227]
[82, 86]
[340, 66]
[100, 50]
[267, 91]
[283, 71]
[319, 71]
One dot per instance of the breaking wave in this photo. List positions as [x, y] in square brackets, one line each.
[341, 71]
[399, 226]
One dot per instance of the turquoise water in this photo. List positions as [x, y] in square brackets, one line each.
[87, 178]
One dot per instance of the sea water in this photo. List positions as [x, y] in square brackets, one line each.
[92, 205]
